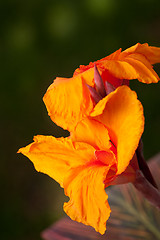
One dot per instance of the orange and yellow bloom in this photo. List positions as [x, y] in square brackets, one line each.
[103, 135]
[66, 108]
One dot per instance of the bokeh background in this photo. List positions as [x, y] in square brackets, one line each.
[42, 39]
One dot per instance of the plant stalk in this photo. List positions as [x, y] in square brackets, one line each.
[151, 193]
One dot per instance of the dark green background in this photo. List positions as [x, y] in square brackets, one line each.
[42, 39]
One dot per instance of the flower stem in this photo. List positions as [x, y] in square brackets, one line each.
[147, 189]
[143, 165]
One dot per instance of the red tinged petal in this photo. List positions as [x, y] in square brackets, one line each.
[106, 157]
[92, 132]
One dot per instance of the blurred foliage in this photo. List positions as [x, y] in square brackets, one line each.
[40, 40]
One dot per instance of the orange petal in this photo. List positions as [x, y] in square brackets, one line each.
[152, 54]
[92, 132]
[55, 157]
[131, 68]
[88, 201]
[68, 101]
[88, 71]
[120, 69]
[133, 63]
[144, 70]
[122, 113]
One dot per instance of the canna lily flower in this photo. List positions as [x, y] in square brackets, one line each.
[97, 152]
[117, 69]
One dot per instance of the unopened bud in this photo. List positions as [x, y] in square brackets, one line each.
[109, 87]
[96, 97]
[99, 82]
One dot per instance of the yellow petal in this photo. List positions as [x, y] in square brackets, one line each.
[55, 157]
[88, 201]
[68, 101]
[122, 113]
[92, 132]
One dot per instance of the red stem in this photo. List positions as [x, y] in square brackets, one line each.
[143, 165]
[147, 189]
